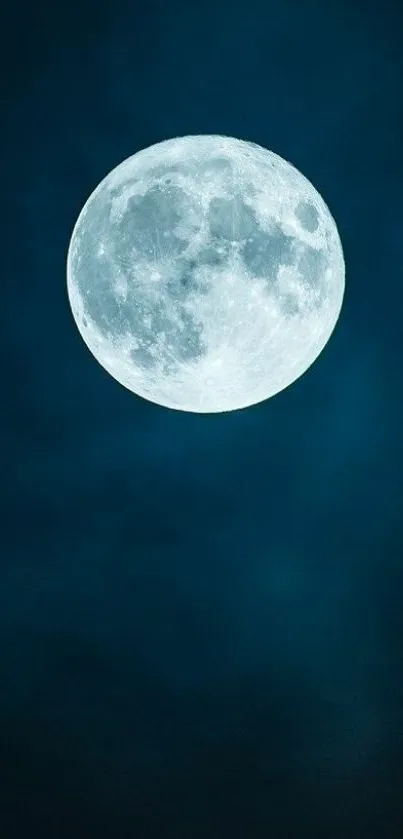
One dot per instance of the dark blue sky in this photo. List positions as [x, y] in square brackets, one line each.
[201, 617]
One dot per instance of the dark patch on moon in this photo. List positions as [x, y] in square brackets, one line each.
[178, 342]
[186, 282]
[215, 165]
[180, 335]
[312, 265]
[165, 172]
[150, 220]
[182, 284]
[155, 318]
[231, 219]
[290, 304]
[210, 256]
[116, 192]
[307, 216]
[265, 251]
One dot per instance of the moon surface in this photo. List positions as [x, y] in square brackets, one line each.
[205, 273]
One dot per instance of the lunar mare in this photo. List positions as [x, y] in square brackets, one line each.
[205, 273]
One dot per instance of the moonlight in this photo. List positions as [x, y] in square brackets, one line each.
[205, 273]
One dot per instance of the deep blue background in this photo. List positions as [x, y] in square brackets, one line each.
[201, 617]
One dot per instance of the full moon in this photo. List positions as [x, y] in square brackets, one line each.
[205, 273]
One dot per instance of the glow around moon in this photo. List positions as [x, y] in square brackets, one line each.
[205, 273]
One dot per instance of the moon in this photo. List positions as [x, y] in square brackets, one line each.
[205, 273]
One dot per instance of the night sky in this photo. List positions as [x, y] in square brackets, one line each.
[201, 616]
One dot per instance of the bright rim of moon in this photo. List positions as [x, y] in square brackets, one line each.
[205, 273]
